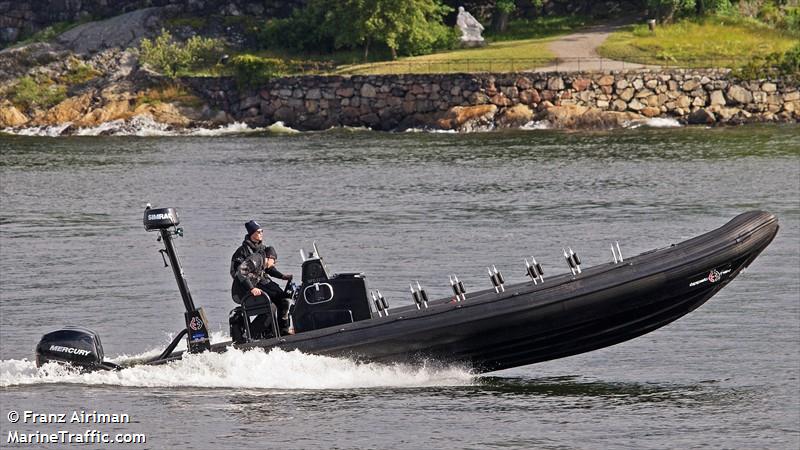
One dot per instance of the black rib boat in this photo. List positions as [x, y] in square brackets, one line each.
[508, 326]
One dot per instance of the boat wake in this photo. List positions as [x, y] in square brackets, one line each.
[253, 369]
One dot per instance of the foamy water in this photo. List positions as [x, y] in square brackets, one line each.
[145, 126]
[657, 122]
[252, 369]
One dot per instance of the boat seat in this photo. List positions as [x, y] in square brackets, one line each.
[254, 306]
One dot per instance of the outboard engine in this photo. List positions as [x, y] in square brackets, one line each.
[77, 346]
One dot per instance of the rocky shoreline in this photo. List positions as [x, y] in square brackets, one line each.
[465, 102]
[114, 87]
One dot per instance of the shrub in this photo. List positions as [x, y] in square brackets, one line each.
[169, 93]
[79, 72]
[31, 93]
[716, 7]
[778, 63]
[172, 58]
[251, 70]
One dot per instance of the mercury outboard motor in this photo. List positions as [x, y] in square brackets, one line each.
[77, 346]
[81, 347]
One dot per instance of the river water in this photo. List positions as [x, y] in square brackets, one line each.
[400, 207]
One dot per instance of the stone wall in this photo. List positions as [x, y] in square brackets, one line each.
[22, 17]
[456, 101]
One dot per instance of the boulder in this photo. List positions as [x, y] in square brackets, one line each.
[113, 110]
[10, 116]
[605, 80]
[651, 111]
[701, 116]
[627, 94]
[501, 100]
[530, 97]
[769, 87]
[717, 98]
[690, 85]
[164, 113]
[573, 116]
[738, 94]
[123, 31]
[69, 110]
[636, 105]
[555, 83]
[581, 84]
[468, 118]
[368, 91]
[514, 117]
[726, 114]
[619, 105]
[791, 96]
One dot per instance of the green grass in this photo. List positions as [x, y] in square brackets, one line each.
[714, 42]
[508, 56]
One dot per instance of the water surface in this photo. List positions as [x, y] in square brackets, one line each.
[401, 207]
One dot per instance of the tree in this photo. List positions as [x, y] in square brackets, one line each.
[502, 10]
[407, 26]
[667, 10]
[404, 26]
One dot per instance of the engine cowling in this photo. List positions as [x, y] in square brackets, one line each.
[77, 346]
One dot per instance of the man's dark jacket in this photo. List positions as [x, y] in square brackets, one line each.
[251, 274]
[247, 248]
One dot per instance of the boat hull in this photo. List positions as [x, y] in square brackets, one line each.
[566, 315]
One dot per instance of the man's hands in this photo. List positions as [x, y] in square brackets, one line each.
[256, 292]
[287, 277]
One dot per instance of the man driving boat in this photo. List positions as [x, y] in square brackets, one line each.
[253, 242]
[252, 279]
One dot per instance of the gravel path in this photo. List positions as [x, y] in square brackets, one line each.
[578, 52]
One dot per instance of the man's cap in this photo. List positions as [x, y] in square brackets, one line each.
[252, 227]
[270, 252]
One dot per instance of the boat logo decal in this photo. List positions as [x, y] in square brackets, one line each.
[713, 276]
[196, 323]
[160, 217]
[74, 351]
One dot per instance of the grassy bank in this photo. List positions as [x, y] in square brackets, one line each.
[713, 42]
[522, 46]
[496, 57]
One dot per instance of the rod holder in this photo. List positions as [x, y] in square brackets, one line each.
[383, 301]
[534, 270]
[377, 303]
[497, 279]
[572, 260]
[419, 295]
[458, 288]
